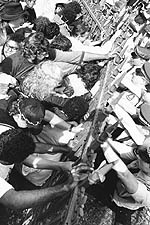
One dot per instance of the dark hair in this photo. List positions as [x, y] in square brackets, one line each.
[32, 109]
[20, 33]
[61, 42]
[49, 29]
[75, 6]
[140, 19]
[61, 5]
[142, 151]
[13, 37]
[134, 55]
[31, 14]
[90, 74]
[68, 15]
[34, 45]
[75, 108]
[15, 146]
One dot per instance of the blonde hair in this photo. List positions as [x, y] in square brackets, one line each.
[42, 80]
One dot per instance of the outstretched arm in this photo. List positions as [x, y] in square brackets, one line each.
[77, 57]
[27, 199]
[40, 163]
[137, 189]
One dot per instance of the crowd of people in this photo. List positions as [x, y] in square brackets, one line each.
[49, 70]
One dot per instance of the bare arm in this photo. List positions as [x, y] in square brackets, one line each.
[27, 199]
[76, 57]
[129, 181]
[40, 163]
[127, 178]
[43, 148]
[93, 56]
[55, 120]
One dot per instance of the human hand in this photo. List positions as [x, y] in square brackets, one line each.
[81, 171]
[111, 157]
[111, 55]
[77, 129]
[68, 165]
[100, 172]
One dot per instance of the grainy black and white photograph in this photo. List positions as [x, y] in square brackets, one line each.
[74, 112]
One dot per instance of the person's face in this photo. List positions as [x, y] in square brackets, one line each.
[58, 9]
[18, 22]
[41, 56]
[10, 48]
[83, 37]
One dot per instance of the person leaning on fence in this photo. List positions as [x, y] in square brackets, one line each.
[37, 49]
[13, 149]
[132, 189]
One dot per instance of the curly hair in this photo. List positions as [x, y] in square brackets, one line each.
[15, 146]
[34, 45]
[41, 81]
[32, 109]
[61, 42]
[90, 74]
[49, 29]
[75, 108]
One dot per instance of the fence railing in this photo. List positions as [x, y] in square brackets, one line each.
[103, 20]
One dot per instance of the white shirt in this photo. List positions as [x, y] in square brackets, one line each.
[4, 187]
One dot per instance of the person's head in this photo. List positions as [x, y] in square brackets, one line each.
[49, 29]
[59, 7]
[14, 14]
[146, 71]
[143, 154]
[15, 146]
[61, 42]
[23, 33]
[142, 52]
[75, 6]
[68, 15]
[32, 111]
[90, 74]
[144, 114]
[12, 44]
[75, 108]
[140, 19]
[35, 47]
[42, 80]
[79, 29]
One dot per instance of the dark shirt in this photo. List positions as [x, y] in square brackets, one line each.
[18, 66]
[5, 118]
